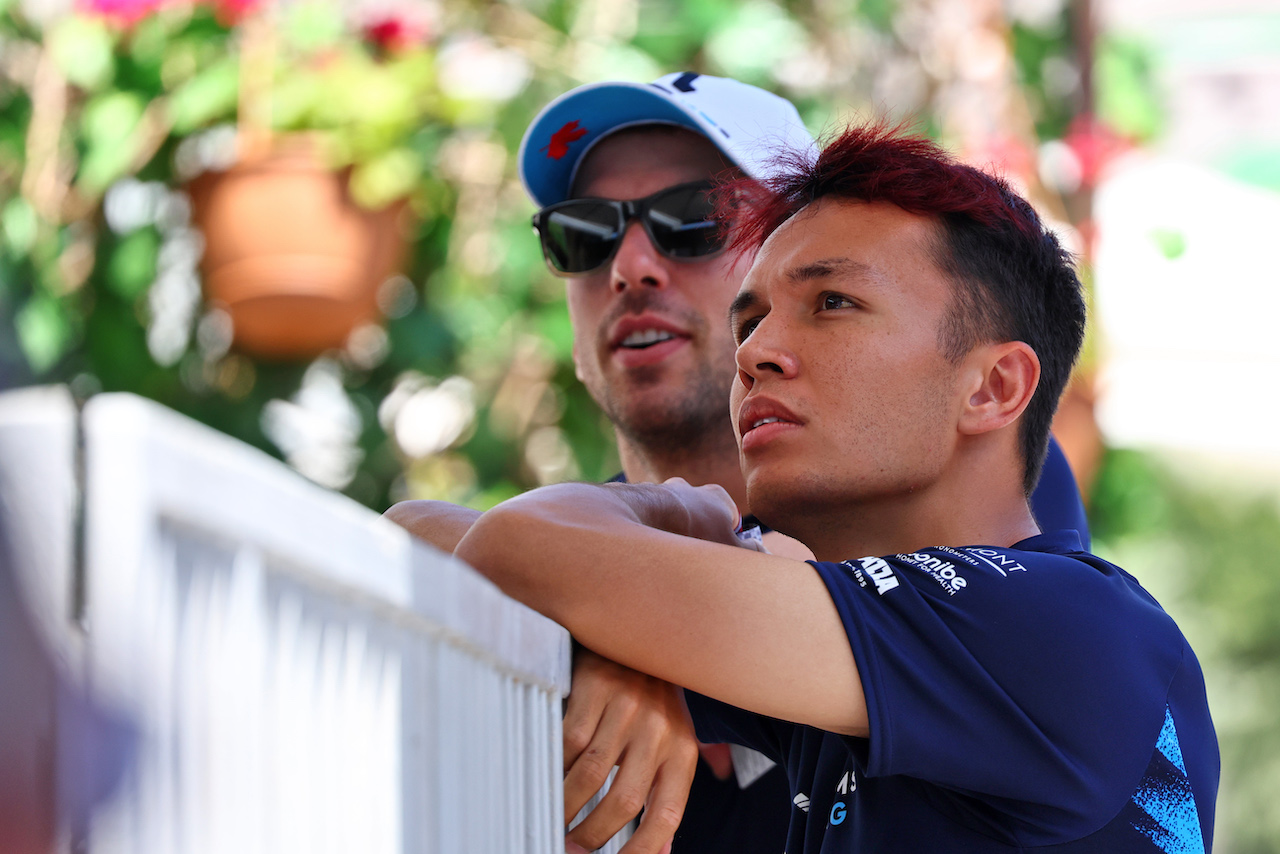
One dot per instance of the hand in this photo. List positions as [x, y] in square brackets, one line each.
[438, 522]
[712, 515]
[617, 716]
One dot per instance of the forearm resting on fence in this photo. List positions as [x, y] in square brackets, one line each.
[438, 522]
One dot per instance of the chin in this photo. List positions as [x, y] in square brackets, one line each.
[783, 506]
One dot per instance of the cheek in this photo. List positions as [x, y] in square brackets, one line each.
[586, 309]
[583, 322]
[873, 387]
[575, 299]
[736, 393]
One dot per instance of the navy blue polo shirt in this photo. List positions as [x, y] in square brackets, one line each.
[1020, 699]
[722, 816]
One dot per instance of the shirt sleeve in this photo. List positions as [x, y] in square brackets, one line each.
[1033, 682]
[715, 722]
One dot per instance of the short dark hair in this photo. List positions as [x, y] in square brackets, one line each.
[1013, 280]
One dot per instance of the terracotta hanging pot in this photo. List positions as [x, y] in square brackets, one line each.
[293, 260]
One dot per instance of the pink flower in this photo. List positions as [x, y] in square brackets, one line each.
[125, 13]
[1007, 156]
[1095, 145]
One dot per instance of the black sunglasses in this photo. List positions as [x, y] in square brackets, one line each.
[582, 235]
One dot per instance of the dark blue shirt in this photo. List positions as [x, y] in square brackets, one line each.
[721, 816]
[1019, 699]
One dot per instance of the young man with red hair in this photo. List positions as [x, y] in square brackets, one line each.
[944, 676]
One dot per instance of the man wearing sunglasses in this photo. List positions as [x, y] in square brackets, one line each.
[621, 172]
[624, 174]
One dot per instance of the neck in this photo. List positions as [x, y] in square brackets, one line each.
[712, 460]
[880, 530]
[982, 504]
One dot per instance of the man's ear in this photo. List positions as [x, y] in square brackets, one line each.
[1005, 378]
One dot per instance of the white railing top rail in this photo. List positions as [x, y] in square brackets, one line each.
[193, 470]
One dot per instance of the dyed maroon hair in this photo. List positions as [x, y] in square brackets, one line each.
[1012, 280]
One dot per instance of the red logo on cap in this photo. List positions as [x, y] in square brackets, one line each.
[559, 145]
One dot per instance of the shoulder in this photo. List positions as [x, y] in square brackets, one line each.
[1034, 611]
[1034, 673]
[1048, 566]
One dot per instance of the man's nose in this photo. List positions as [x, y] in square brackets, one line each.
[637, 262]
[765, 352]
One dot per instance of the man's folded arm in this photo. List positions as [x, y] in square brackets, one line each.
[615, 716]
[437, 522]
[619, 567]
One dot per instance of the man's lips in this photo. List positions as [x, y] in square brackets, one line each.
[761, 419]
[635, 331]
[645, 339]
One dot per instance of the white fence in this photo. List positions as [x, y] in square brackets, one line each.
[305, 677]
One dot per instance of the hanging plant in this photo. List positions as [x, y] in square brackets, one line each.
[137, 89]
[303, 229]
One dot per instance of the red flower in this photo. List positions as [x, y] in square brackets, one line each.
[392, 34]
[232, 12]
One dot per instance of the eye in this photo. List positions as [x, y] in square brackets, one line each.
[831, 302]
[748, 326]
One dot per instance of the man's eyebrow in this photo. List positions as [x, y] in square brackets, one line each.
[742, 302]
[822, 269]
[828, 267]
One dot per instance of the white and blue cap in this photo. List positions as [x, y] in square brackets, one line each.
[751, 126]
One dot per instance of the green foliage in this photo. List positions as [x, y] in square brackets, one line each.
[147, 99]
[1043, 59]
[1127, 99]
[131, 266]
[43, 331]
[19, 226]
[207, 95]
[83, 49]
[670, 32]
[879, 13]
[109, 136]
[751, 40]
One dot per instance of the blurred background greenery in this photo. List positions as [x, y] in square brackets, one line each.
[463, 389]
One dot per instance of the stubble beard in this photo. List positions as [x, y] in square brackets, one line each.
[666, 416]
[663, 420]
